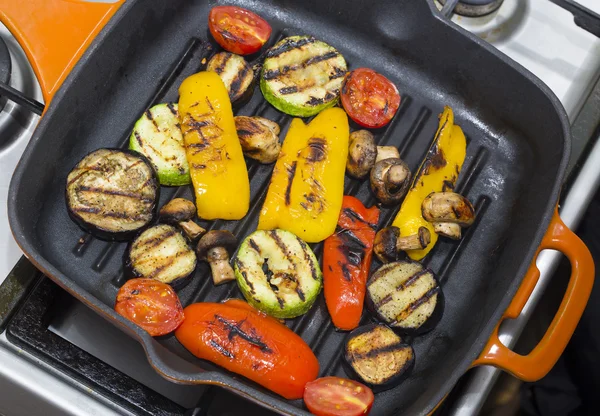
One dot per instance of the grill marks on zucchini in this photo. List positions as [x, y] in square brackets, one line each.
[236, 73]
[112, 193]
[162, 253]
[157, 135]
[377, 356]
[302, 76]
[278, 273]
[405, 296]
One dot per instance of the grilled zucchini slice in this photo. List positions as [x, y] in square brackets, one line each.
[278, 273]
[406, 296]
[236, 73]
[161, 253]
[157, 135]
[302, 76]
[112, 193]
[378, 357]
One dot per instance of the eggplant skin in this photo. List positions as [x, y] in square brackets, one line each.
[150, 208]
[377, 345]
[429, 323]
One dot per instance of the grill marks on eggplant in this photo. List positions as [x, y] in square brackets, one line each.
[302, 76]
[236, 73]
[162, 253]
[278, 273]
[112, 191]
[405, 295]
[378, 356]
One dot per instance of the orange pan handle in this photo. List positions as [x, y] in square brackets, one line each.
[542, 358]
[54, 34]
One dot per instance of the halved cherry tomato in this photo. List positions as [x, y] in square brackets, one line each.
[335, 396]
[238, 30]
[151, 304]
[369, 98]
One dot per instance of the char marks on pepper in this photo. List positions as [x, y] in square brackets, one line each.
[235, 329]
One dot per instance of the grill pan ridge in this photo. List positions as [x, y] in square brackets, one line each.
[517, 150]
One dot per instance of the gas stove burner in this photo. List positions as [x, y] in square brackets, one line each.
[5, 68]
[475, 8]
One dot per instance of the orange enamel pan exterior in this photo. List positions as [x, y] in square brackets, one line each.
[55, 34]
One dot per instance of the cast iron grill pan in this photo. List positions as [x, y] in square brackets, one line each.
[515, 158]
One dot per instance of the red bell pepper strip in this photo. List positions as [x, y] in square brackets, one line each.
[346, 262]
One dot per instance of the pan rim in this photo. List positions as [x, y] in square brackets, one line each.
[221, 377]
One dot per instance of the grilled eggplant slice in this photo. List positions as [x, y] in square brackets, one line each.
[112, 193]
[302, 76]
[157, 135]
[161, 253]
[236, 73]
[278, 273]
[378, 357]
[406, 296]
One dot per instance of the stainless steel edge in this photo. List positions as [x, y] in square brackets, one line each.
[481, 380]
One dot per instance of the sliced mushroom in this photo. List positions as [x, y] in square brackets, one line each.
[388, 242]
[390, 179]
[387, 152]
[180, 212]
[448, 212]
[259, 138]
[362, 152]
[215, 247]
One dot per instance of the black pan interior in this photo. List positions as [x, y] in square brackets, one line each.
[518, 146]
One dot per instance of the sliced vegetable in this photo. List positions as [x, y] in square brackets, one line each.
[302, 76]
[389, 244]
[215, 247]
[112, 193]
[249, 344]
[278, 273]
[335, 396]
[346, 262]
[180, 212]
[213, 150]
[406, 296]
[157, 135]
[378, 356]
[151, 304]
[236, 74]
[238, 30]
[161, 253]
[306, 189]
[448, 212]
[438, 172]
[259, 138]
[390, 179]
[369, 98]
[362, 152]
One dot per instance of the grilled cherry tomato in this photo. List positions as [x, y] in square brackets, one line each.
[238, 30]
[369, 98]
[335, 396]
[242, 340]
[150, 304]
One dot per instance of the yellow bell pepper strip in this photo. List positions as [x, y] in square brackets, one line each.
[307, 186]
[213, 150]
[437, 173]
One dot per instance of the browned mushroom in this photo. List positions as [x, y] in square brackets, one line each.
[259, 138]
[180, 212]
[215, 247]
[448, 212]
[388, 242]
[390, 179]
[362, 152]
[387, 152]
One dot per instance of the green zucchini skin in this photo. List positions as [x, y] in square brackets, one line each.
[157, 135]
[302, 76]
[278, 273]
